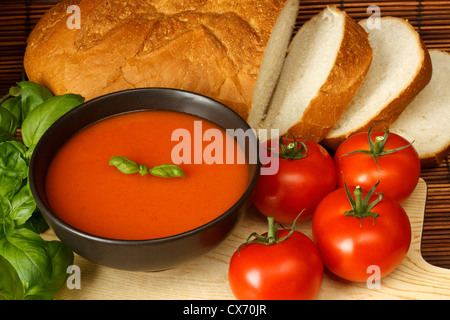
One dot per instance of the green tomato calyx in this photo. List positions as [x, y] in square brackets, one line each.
[271, 237]
[289, 148]
[377, 147]
[361, 208]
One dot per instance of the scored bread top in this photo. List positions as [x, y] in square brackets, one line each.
[325, 66]
[401, 68]
[425, 121]
[211, 47]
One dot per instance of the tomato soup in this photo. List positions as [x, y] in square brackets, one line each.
[86, 192]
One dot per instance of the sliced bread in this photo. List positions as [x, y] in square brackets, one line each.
[272, 62]
[401, 68]
[326, 63]
[426, 121]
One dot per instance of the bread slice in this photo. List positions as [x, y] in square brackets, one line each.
[272, 62]
[401, 68]
[327, 61]
[211, 47]
[426, 120]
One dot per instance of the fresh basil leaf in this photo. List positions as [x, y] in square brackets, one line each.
[167, 171]
[20, 147]
[61, 258]
[15, 91]
[32, 95]
[27, 252]
[43, 116]
[11, 287]
[22, 205]
[13, 169]
[8, 125]
[6, 221]
[36, 222]
[14, 106]
[124, 165]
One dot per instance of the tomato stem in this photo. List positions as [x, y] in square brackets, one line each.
[358, 199]
[291, 150]
[361, 208]
[377, 147]
[272, 233]
[271, 236]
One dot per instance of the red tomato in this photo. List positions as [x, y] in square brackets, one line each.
[288, 270]
[350, 245]
[398, 172]
[298, 184]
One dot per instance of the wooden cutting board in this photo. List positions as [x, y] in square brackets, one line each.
[207, 277]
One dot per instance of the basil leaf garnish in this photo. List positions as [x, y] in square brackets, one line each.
[128, 166]
[167, 171]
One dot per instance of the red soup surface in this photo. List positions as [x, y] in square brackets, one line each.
[86, 192]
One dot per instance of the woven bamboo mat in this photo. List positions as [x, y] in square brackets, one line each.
[436, 229]
[430, 18]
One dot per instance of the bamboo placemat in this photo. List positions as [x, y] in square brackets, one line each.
[430, 18]
[436, 229]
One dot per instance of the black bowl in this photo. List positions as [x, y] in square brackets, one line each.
[141, 255]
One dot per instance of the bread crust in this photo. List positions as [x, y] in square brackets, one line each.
[350, 68]
[392, 110]
[211, 47]
[435, 159]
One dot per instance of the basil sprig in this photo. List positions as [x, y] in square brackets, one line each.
[128, 166]
[30, 267]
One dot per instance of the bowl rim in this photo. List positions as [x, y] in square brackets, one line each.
[48, 213]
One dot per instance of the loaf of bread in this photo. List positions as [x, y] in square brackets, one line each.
[401, 68]
[231, 51]
[327, 61]
[426, 121]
